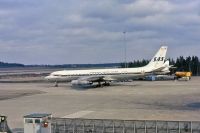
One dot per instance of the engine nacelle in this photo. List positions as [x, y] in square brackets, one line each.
[81, 82]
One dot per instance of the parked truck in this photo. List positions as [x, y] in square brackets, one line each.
[183, 75]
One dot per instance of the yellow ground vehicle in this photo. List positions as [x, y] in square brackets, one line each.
[183, 75]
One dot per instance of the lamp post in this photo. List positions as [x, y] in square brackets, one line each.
[125, 62]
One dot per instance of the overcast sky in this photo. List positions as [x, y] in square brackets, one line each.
[91, 31]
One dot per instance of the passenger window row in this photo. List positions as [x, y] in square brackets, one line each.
[91, 74]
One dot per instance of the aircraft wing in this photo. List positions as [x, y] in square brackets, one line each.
[158, 69]
[172, 67]
[89, 80]
[95, 78]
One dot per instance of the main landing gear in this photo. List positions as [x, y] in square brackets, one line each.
[103, 84]
[106, 84]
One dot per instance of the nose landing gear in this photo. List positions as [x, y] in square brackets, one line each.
[56, 84]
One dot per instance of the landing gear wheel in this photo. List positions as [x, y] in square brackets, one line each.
[99, 84]
[56, 84]
[106, 84]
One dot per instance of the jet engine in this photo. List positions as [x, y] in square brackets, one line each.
[81, 82]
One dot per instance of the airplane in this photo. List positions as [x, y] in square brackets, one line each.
[103, 77]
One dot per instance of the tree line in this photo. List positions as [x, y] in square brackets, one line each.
[7, 65]
[12, 65]
[190, 63]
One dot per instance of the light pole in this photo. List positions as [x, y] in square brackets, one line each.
[125, 62]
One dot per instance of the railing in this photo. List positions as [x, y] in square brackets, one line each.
[67, 125]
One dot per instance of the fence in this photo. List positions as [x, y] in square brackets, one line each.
[67, 125]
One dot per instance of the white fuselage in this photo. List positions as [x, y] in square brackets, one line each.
[109, 74]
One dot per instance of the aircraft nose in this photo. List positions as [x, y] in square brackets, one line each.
[51, 77]
[47, 77]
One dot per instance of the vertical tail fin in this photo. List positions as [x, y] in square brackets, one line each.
[158, 60]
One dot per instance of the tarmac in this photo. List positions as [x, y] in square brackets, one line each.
[137, 100]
